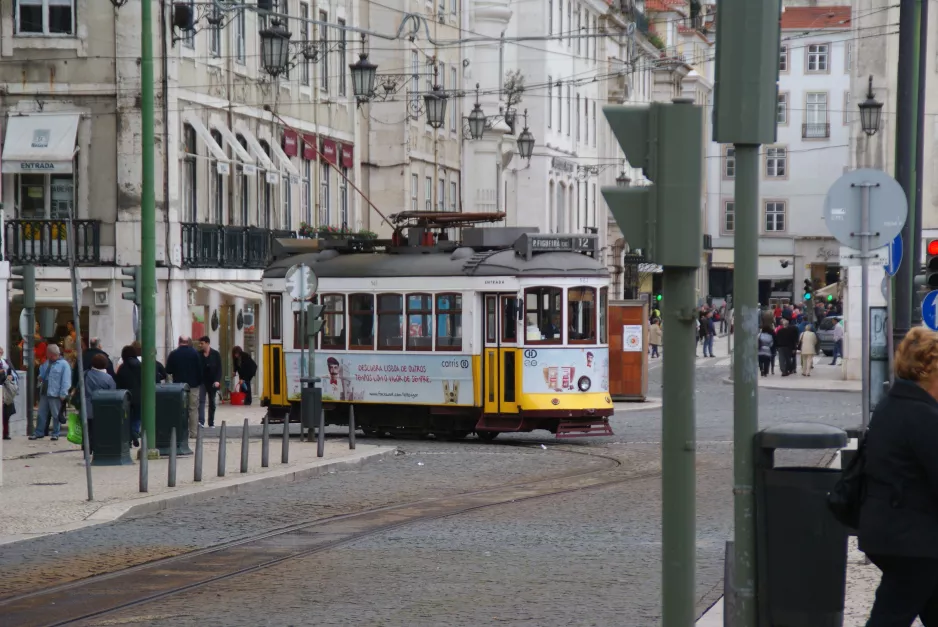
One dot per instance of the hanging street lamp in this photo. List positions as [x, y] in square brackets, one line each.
[623, 181]
[476, 119]
[275, 48]
[871, 112]
[364, 73]
[526, 140]
[435, 105]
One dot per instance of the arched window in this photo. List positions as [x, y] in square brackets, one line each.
[189, 183]
[244, 188]
[218, 185]
[267, 193]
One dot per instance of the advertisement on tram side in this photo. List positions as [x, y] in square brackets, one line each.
[405, 378]
[566, 370]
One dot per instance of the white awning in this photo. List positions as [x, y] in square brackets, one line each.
[243, 155]
[53, 292]
[247, 291]
[217, 151]
[650, 268]
[284, 160]
[42, 144]
[263, 160]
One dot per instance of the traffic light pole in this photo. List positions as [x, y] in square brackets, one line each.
[865, 298]
[148, 230]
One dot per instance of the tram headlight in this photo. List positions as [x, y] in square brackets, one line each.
[584, 384]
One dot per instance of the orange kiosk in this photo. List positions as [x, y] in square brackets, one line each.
[628, 350]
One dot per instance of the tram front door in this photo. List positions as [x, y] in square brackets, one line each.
[500, 365]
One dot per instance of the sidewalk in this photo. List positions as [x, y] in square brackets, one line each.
[44, 487]
[824, 378]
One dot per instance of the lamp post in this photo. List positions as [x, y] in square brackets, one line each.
[435, 103]
[622, 180]
[526, 140]
[871, 112]
[364, 73]
[275, 48]
[476, 121]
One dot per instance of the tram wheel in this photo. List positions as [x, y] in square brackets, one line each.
[487, 436]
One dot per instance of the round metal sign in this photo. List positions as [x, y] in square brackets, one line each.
[300, 282]
[888, 208]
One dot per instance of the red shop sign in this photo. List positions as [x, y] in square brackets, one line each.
[309, 147]
[347, 155]
[290, 142]
[329, 151]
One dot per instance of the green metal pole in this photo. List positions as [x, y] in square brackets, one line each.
[745, 379]
[678, 483]
[915, 207]
[148, 228]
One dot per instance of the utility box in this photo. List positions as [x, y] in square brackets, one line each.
[172, 410]
[111, 428]
[801, 549]
[628, 350]
[310, 403]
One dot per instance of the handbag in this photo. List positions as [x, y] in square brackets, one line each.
[74, 429]
[846, 497]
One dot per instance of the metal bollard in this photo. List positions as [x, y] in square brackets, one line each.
[144, 464]
[351, 427]
[244, 447]
[321, 434]
[285, 441]
[265, 444]
[171, 481]
[198, 455]
[222, 448]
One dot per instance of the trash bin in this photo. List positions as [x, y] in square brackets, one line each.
[111, 411]
[310, 403]
[846, 456]
[801, 550]
[172, 410]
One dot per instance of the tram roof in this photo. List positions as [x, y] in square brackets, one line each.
[461, 262]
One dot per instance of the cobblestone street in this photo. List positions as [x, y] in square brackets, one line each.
[581, 558]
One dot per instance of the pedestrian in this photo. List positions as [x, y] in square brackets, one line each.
[55, 378]
[766, 342]
[159, 368]
[786, 338]
[898, 528]
[9, 381]
[711, 333]
[771, 330]
[96, 378]
[654, 337]
[130, 377]
[210, 362]
[838, 332]
[185, 367]
[94, 348]
[71, 339]
[246, 369]
[808, 346]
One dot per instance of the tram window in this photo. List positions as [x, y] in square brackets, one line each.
[581, 312]
[333, 322]
[509, 319]
[299, 338]
[390, 322]
[543, 315]
[491, 315]
[276, 318]
[362, 321]
[448, 322]
[603, 313]
[419, 317]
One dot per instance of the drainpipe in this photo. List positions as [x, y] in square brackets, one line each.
[168, 246]
[317, 194]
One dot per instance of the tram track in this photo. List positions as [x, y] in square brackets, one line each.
[110, 593]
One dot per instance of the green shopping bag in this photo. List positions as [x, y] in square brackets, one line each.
[74, 428]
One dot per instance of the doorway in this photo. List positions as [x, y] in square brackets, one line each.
[499, 356]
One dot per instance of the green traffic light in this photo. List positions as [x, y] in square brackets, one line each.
[658, 297]
[807, 296]
[830, 297]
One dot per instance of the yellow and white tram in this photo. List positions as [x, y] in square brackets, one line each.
[505, 331]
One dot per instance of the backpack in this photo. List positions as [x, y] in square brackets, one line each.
[10, 390]
[846, 497]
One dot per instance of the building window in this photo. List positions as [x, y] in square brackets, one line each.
[244, 187]
[428, 193]
[848, 56]
[214, 37]
[419, 317]
[729, 217]
[188, 37]
[729, 162]
[453, 82]
[287, 192]
[581, 315]
[361, 309]
[268, 189]
[776, 162]
[774, 216]
[818, 57]
[428, 79]
[848, 109]
[414, 83]
[453, 6]
[594, 124]
[448, 322]
[325, 215]
[569, 19]
[306, 194]
[452, 196]
[41, 197]
[579, 30]
[333, 322]
[240, 44]
[782, 114]
[45, 17]
[390, 322]
[343, 68]
[559, 107]
[816, 108]
[324, 59]
[441, 195]
[783, 59]
[577, 118]
[550, 102]
[569, 108]
[189, 183]
[550, 20]
[543, 315]
[218, 185]
[304, 63]
[343, 198]
[560, 21]
[413, 192]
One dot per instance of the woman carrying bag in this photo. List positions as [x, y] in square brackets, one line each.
[246, 369]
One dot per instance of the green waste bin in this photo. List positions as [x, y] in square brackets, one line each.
[310, 403]
[801, 549]
[111, 411]
[172, 410]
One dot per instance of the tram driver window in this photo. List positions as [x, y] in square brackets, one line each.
[361, 321]
[543, 315]
[333, 322]
[603, 315]
[390, 322]
[419, 316]
[448, 322]
[581, 313]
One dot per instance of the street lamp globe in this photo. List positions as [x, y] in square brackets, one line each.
[476, 122]
[871, 112]
[623, 181]
[275, 48]
[435, 103]
[364, 73]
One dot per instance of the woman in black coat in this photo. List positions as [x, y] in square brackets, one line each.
[129, 377]
[899, 516]
[246, 369]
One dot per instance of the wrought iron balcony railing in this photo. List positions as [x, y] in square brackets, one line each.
[46, 242]
[816, 130]
[216, 246]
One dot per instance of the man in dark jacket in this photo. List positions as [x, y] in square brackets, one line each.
[185, 366]
[94, 348]
[210, 362]
[786, 340]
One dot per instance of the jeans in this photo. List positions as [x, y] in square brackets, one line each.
[708, 345]
[909, 588]
[654, 350]
[246, 385]
[785, 357]
[764, 361]
[49, 408]
[210, 393]
[838, 351]
[136, 422]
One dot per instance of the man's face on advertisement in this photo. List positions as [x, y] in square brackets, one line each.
[334, 369]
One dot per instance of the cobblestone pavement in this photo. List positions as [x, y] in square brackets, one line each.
[587, 558]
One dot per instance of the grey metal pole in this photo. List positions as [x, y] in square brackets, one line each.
[321, 434]
[171, 480]
[245, 443]
[197, 462]
[745, 379]
[865, 298]
[351, 427]
[678, 450]
[29, 361]
[265, 444]
[222, 448]
[285, 440]
[144, 463]
[76, 315]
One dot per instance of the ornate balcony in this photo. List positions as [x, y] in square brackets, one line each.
[815, 130]
[46, 242]
[216, 246]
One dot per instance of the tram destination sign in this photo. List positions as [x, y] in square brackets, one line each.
[531, 243]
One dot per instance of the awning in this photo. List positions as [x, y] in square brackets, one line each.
[54, 292]
[217, 151]
[770, 267]
[650, 268]
[247, 291]
[329, 150]
[348, 155]
[722, 258]
[284, 160]
[243, 155]
[255, 146]
[833, 289]
[43, 144]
